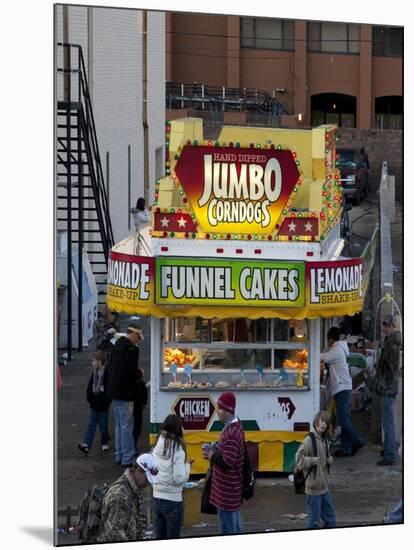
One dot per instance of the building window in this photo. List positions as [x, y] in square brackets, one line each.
[389, 112]
[330, 108]
[267, 34]
[333, 37]
[387, 41]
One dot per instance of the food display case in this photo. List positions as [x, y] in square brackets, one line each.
[241, 264]
[234, 353]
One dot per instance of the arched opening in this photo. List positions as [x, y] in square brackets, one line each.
[330, 108]
[389, 112]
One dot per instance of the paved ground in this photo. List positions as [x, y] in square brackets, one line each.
[362, 491]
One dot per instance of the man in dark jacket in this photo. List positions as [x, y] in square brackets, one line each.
[387, 387]
[364, 165]
[122, 389]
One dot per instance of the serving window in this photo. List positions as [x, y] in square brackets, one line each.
[235, 352]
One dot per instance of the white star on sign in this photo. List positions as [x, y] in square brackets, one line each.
[165, 221]
[182, 222]
[292, 226]
[308, 226]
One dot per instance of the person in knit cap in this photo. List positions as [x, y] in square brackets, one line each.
[227, 466]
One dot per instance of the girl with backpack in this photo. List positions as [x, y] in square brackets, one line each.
[315, 466]
[173, 472]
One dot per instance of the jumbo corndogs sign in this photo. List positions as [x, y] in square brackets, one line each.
[234, 190]
[191, 286]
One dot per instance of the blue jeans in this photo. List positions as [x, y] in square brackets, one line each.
[349, 435]
[124, 426]
[388, 426]
[320, 510]
[95, 418]
[168, 517]
[396, 516]
[229, 522]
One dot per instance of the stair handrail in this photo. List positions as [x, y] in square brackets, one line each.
[201, 93]
[90, 127]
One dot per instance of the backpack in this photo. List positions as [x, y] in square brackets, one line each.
[248, 480]
[299, 478]
[90, 511]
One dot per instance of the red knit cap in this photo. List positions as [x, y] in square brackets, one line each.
[227, 402]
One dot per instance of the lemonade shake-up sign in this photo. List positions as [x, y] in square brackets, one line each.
[130, 279]
[237, 190]
[229, 282]
[335, 283]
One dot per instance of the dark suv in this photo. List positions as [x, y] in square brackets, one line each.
[353, 174]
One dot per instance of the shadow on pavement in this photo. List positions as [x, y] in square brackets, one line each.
[44, 534]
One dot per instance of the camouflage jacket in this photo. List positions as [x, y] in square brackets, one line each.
[123, 516]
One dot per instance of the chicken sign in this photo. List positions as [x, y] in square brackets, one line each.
[195, 412]
[237, 190]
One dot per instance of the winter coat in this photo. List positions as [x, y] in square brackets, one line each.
[141, 218]
[317, 481]
[141, 398]
[339, 375]
[123, 371]
[226, 483]
[123, 511]
[98, 401]
[173, 472]
[388, 365]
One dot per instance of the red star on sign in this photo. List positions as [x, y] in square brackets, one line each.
[177, 222]
[299, 226]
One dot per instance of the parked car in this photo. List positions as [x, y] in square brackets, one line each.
[353, 173]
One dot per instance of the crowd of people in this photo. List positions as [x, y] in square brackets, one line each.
[117, 381]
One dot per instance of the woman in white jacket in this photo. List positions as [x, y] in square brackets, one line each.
[141, 215]
[173, 472]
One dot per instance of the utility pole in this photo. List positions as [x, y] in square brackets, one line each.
[145, 103]
[66, 54]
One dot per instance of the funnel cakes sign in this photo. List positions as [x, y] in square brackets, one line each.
[235, 190]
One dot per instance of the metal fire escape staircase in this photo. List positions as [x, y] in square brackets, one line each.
[82, 201]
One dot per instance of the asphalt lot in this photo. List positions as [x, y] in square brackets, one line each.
[363, 492]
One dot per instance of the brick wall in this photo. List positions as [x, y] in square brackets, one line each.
[380, 145]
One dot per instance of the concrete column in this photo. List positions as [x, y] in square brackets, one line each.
[364, 111]
[233, 52]
[169, 73]
[300, 82]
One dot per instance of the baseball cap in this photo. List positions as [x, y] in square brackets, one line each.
[147, 463]
[388, 321]
[134, 326]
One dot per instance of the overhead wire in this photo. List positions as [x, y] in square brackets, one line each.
[293, 39]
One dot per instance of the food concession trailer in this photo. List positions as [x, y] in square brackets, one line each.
[240, 267]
